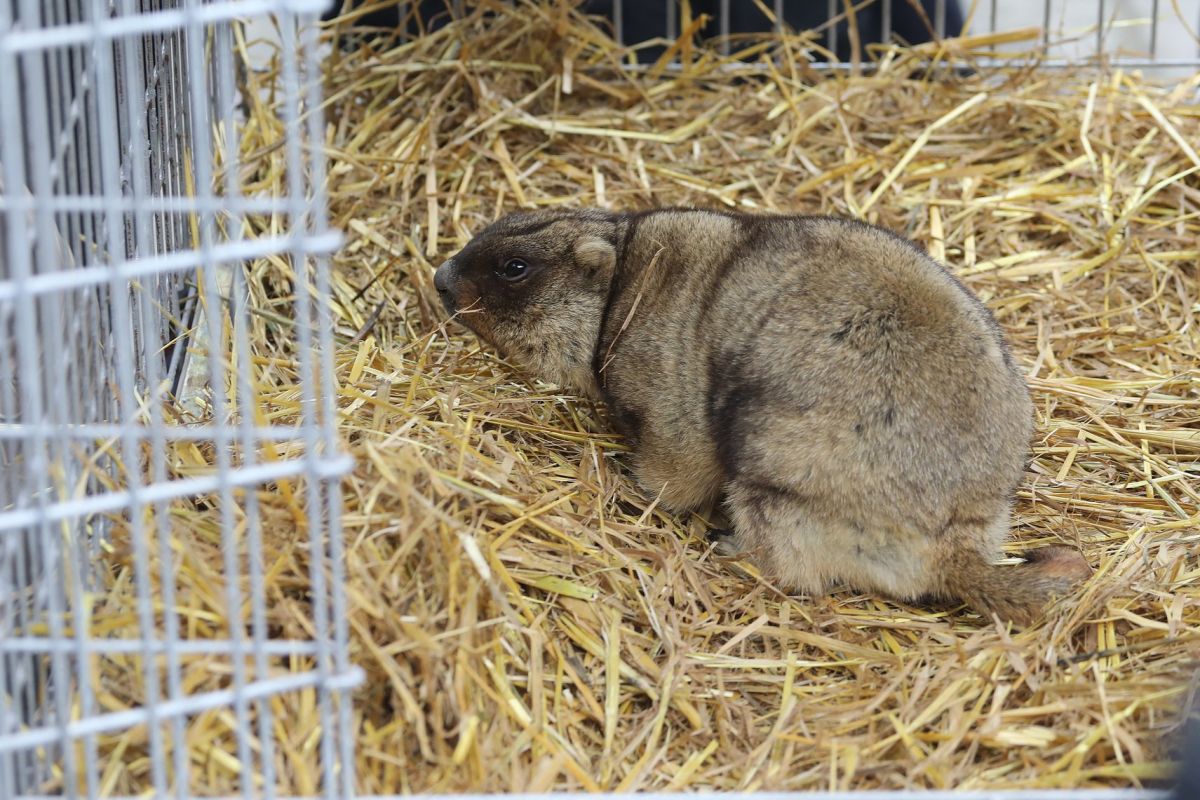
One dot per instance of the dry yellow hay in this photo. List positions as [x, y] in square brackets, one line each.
[528, 620]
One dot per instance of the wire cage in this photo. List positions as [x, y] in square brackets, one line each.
[131, 403]
[127, 217]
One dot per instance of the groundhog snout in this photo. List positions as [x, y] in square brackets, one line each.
[443, 282]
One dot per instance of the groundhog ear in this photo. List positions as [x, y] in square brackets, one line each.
[595, 254]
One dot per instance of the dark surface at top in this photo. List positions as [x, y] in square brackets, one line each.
[643, 21]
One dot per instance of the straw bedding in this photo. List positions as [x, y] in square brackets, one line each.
[529, 620]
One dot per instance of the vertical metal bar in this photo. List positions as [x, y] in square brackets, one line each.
[672, 19]
[329, 410]
[152, 46]
[49, 580]
[128, 401]
[1100, 27]
[172, 72]
[87, 702]
[992, 17]
[1045, 22]
[89, 161]
[86, 158]
[724, 23]
[402, 20]
[100, 406]
[310, 410]
[779, 16]
[26, 673]
[144, 244]
[831, 8]
[886, 22]
[59, 113]
[246, 401]
[1154, 30]
[55, 322]
[171, 66]
[226, 97]
[13, 774]
[170, 61]
[11, 768]
[181, 142]
[77, 387]
[202, 164]
[67, 97]
[939, 18]
[619, 21]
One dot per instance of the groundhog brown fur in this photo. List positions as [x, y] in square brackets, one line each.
[853, 403]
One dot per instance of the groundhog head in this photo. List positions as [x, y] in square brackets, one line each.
[535, 285]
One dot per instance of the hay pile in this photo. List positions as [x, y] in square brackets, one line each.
[528, 620]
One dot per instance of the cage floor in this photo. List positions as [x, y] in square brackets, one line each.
[529, 620]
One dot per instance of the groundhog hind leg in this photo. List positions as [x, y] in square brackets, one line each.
[809, 550]
[772, 528]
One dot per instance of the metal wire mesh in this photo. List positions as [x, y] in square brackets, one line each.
[1157, 34]
[122, 245]
[1128, 33]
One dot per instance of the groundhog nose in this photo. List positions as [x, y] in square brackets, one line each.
[441, 282]
[441, 278]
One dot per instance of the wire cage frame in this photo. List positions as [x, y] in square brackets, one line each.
[126, 220]
[127, 217]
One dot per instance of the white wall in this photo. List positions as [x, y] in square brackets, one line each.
[1080, 17]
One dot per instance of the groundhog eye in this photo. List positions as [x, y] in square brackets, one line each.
[513, 270]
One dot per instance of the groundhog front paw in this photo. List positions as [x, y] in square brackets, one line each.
[724, 541]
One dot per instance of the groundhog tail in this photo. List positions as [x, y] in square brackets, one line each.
[1018, 593]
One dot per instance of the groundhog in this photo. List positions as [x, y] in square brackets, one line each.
[853, 403]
